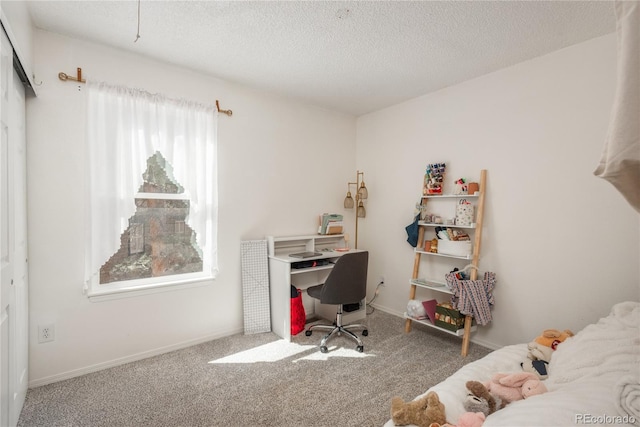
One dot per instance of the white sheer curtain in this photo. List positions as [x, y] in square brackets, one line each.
[124, 128]
[620, 161]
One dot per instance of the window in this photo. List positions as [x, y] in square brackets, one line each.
[152, 189]
[136, 239]
[156, 243]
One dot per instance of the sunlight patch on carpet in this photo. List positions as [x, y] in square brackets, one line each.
[335, 352]
[271, 352]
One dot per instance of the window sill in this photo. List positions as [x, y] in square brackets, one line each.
[124, 292]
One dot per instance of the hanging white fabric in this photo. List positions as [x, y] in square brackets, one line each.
[620, 162]
[125, 127]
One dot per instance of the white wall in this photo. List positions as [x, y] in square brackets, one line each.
[281, 163]
[563, 243]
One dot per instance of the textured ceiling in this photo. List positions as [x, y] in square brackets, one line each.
[354, 56]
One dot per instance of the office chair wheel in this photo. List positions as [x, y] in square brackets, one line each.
[324, 349]
[365, 333]
[308, 333]
[360, 348]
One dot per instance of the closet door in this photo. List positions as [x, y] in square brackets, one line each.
[13, 237]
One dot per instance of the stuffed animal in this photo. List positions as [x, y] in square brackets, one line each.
[541, 349]
[533, 388]
[468, 419]
[480, 400]
[538, 359]
[471, 419]
[538, 367]
[421, 412]
[552, 337]
[515, 386]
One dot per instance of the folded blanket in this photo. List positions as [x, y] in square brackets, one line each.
[628, 388]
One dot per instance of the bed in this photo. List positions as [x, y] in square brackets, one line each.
[594, 378]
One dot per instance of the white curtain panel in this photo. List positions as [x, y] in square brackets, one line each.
[124, 128]
[620, 161]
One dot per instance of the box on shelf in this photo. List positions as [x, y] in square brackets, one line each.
[453, 247]
[449, 318]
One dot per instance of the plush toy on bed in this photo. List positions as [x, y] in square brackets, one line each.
[541, 349]
[471, 419]
[537, 360]
[468, 419]
[422, 412]
[515, 386]
[480, 400]
[553, 337]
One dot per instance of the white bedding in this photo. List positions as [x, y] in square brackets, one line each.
[594, 378]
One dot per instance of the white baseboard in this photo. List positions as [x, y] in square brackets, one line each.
[388, 310]
[127, 359]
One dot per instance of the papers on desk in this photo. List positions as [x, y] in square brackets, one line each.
[330, 224]
[305, 254]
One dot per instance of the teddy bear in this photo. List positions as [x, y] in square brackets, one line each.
[515, 386]
[421, 412]
[480, 400]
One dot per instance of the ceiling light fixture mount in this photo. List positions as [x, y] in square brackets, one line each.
[138, 33]
[343, 13]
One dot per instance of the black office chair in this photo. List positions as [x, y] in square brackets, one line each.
[346, 284]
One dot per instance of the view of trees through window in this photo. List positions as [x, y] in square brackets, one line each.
[158, 241]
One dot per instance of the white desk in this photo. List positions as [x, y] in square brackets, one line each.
[282, 276]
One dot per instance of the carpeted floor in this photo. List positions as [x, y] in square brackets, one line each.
[258, 380]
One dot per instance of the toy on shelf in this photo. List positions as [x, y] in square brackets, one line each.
[461, 187]
[434, 179]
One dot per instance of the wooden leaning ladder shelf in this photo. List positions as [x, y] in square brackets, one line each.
[475, 258]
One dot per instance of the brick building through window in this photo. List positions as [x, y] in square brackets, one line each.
[158, 241]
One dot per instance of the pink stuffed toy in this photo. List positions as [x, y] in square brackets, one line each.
[468, 419]
[532, 388]
[516, 386]
[471, 419]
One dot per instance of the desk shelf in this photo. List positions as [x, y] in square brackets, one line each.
[310, 269]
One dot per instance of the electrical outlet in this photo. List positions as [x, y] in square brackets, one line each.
[46, 333]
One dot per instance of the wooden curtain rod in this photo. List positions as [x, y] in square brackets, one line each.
[79, 79]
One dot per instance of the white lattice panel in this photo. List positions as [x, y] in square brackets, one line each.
[255, 286]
